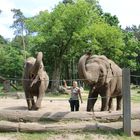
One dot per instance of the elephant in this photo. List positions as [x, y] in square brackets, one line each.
[104, 78]
[35, 81]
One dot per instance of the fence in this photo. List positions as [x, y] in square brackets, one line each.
[126, 100]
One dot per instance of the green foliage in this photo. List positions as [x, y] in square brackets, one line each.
[73, 28]
[111, 20]
[130, 51]
[19, 26]
[18, 22]
[68, 1]
[135, 30]
[2, 40]
[11, 62]
[65, 34]
[57, 32]
[104, 39]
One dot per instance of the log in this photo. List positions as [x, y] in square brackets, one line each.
[6, 126]
[39, 116]
[32, 127]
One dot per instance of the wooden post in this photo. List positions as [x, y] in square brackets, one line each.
[126, 101]
[6, 86]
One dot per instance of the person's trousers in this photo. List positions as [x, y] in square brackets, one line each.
[74, 104]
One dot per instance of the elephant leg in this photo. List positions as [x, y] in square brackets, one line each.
[33, 103]
[40, 96]
[38, 102]
[91, 100]
[110, 104]
[105, 94]
[105, 102]
[28, 99]
[29, 104]
[118, 102]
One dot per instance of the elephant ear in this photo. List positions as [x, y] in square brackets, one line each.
[110, 74]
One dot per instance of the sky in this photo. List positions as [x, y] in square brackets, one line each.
[127, 11]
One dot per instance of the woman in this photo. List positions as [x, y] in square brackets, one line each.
[75, 95]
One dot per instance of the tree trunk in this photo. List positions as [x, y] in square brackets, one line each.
[56, 76]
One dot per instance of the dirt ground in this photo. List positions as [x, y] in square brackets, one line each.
[50, 104]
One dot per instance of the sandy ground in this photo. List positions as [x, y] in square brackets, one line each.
[53, 105]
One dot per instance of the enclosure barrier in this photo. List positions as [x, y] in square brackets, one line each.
[126, 99]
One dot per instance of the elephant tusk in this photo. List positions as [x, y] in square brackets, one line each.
[34, 81]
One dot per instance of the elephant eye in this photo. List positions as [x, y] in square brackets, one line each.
[101, 73]
[40, 66]
[101, 70]
[32, 75]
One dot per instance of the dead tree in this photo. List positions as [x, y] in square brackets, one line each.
[6, 84]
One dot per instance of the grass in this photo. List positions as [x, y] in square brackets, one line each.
[135, 95]
[77, 135]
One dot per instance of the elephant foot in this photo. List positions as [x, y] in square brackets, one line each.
[110, 109]
[90, 110]
[118, 108]
[29, 108]
[34, 107]
[103, 109]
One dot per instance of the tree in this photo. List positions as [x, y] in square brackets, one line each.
[111, 20]
[67, 32]
[132, 41]
[68, 1]
[56, 31]
[135, 30]
[130, 51]
[3, 40]
[11, 63]
[19, 25]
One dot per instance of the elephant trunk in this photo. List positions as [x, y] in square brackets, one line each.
[37, 64]
[83, 74]
[34, 74]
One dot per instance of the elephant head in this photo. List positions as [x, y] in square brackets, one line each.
[95, 69]
[34, 68]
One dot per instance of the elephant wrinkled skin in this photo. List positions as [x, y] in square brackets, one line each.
[35, 81]
[104, 78]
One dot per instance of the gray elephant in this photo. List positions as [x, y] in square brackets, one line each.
[104, 78]
[35, 81]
